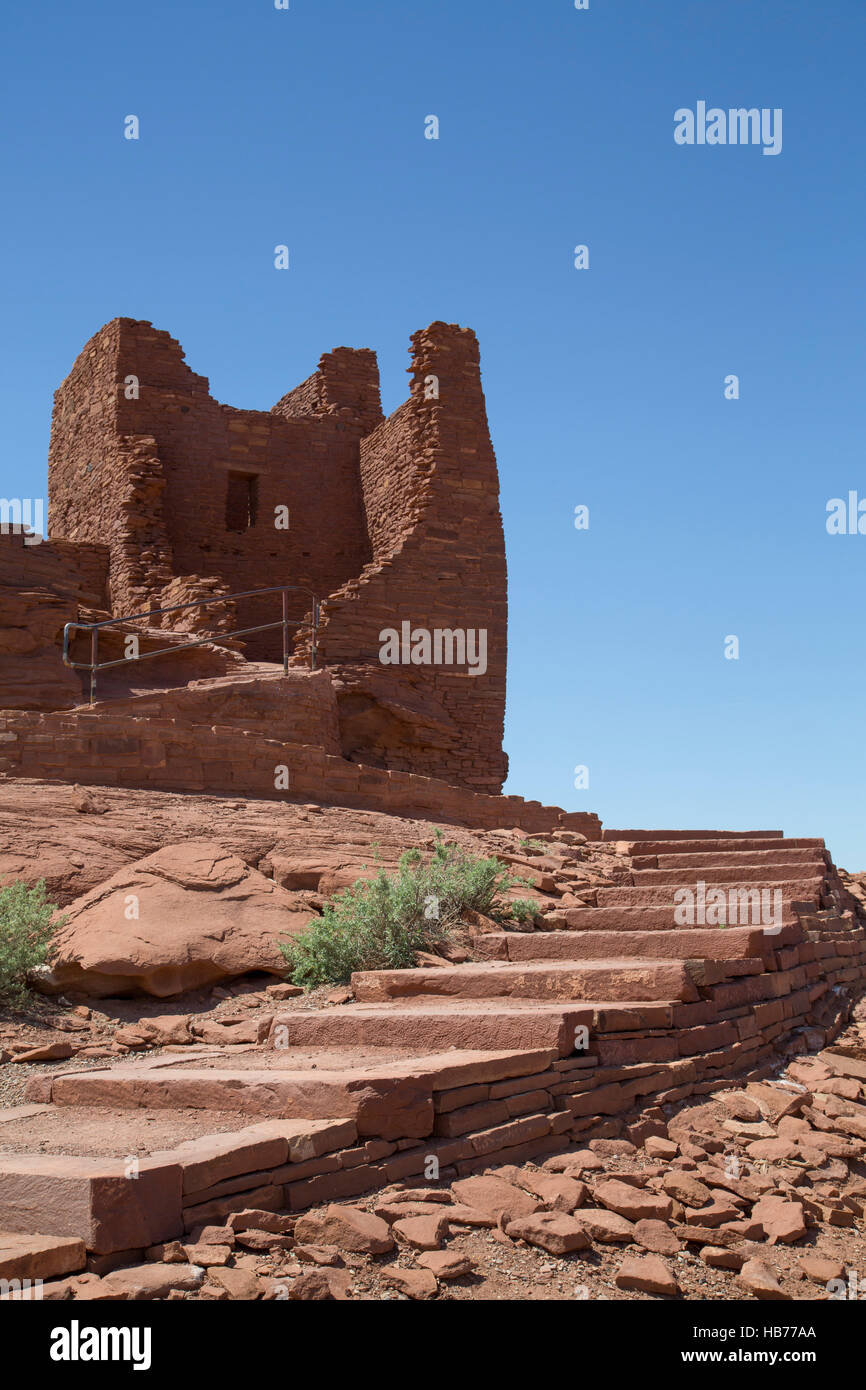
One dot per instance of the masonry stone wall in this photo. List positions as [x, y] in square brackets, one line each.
[42, 588]
[153, 476]
[124, 750]
[431, 485]
[390, 522]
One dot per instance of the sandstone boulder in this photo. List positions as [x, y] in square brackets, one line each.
[189, 915]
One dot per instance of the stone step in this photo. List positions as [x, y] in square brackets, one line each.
[389, 1099]
[662, 894]
[737, 859]
[693, 834]
[688, 943]
[634, 979]
[768, 873]
[637, 917]
[439, 1024]
[102, 1203]
[39, 1257]
[677, 847]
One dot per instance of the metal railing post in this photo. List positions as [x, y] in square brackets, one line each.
[94, 661]
[285, 632]
[315, 642]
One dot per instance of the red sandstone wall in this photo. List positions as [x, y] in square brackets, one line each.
[346, 383]
[300, 708]
[158, 480]
[395, 520]
[99, 749]
[392, 481]
[41, 589]
[431, 493]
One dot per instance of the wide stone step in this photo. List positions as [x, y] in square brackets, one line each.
[637, 917]
[662, 894]
[105, 1204]
[710, 943]
[390, 1099]
[428, 1024]
[731, 846]
[39, 1257]
[768, 873]
[582, 981]
[755, 859]
[693, 834]
[738, 859]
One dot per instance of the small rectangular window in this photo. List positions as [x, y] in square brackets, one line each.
[242, 501]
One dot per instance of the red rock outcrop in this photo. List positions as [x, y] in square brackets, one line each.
[187, 916]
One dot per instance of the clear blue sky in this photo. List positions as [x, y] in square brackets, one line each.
[604, 387]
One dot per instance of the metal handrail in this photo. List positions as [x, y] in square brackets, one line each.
[94, 664]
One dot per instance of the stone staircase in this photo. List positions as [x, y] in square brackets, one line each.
[626, 957]
[578, 1029]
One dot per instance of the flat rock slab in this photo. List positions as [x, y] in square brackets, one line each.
[782, 1221]
[760, 1281]
[149, 1281]
[39, 1257]
[345, 1228]
[646, 1274]
[657, 1237]
[494, 1196]
[446, 1264]
[606, 1227]
[639, 979]
[553, 1231]
[414, 1283]
[387, 1107]
[844, 1065]
[423, 1232]
[96, 1131]
[632, 1202]
[391, 1099]
[585, 942]
[495, 1024]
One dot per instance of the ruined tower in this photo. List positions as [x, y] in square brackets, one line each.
[387, 521]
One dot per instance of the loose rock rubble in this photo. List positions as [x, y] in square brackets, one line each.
[613, 1220]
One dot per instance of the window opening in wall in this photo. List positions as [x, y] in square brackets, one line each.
[242, 501]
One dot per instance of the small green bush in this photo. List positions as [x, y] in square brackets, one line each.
[380, 924]
[25, 936]
[521, 909]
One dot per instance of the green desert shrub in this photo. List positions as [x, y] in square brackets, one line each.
[25, 936]
[381, 923]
